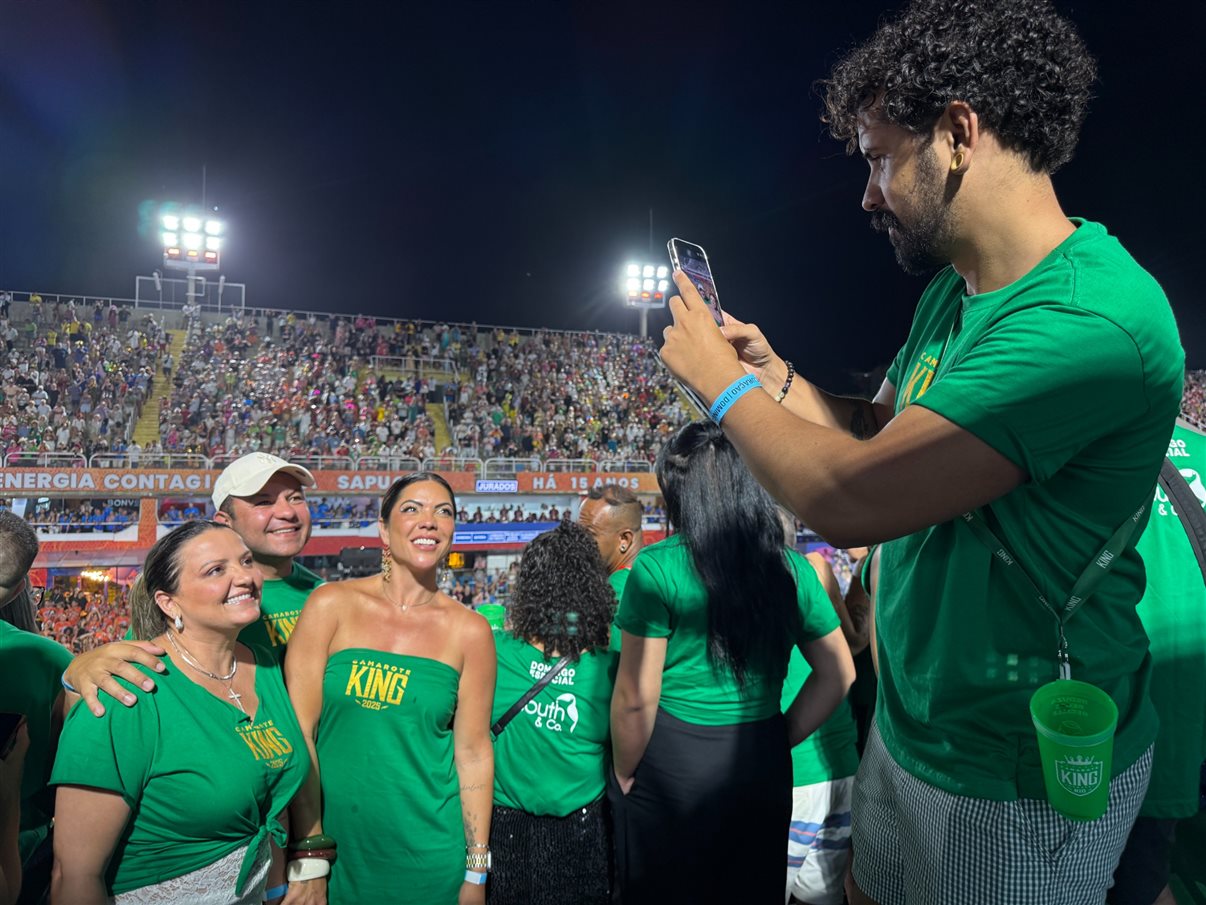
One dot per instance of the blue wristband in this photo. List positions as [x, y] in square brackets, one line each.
[731, 394]
[67, 686]
[276, 892]
[477, 879]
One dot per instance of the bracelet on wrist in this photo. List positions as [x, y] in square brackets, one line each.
[325, 854]
[67, 686]
[482, 861]
[475, 877]
[275, 892]
[320, 840]
[307, 869]
[791, 373]
[731, 394]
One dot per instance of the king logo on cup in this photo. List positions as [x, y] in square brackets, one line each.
[1079, 776]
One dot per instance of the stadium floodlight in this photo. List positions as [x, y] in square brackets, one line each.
[192, 241]
[171, 222]
[214, 227]
[644, 287]
[191, 224]
[170, 239]
[212, 243]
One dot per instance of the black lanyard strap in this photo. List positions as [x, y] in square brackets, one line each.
[1085, 585]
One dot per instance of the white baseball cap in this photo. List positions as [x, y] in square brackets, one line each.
[247, 476]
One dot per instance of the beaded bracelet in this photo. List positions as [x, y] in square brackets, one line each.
[791, 373]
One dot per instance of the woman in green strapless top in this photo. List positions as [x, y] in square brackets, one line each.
[393, 683]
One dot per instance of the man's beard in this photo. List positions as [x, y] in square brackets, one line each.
[921, 246]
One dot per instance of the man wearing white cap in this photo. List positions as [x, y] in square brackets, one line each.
[262, 498]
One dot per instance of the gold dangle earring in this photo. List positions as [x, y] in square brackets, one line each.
[385, 563]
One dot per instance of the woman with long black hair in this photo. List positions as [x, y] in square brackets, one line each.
[701, 753]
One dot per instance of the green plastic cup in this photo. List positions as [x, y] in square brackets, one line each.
[495, 613]
[1075, 722]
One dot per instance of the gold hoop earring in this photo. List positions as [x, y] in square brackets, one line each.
[957, 162]
[385, 563]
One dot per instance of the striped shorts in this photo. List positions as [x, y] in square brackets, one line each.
[915, 843]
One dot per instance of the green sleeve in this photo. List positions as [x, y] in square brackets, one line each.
[113, 752]
[1005, 390]
[644, 608]
[817, 614]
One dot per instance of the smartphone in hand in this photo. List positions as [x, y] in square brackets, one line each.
[692, 260]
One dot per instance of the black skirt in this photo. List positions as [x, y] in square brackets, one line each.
[709, 811]
[550, 860]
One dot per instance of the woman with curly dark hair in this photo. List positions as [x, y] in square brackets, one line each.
[709, 619]
[550, 834]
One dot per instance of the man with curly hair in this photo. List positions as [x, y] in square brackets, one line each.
[1037, 387]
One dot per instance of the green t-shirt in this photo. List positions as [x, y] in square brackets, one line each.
[281, 603]
[1173, 610]
[551, 758]
[617, 579]
[831, 752]
[202, 779]
[30, 668]
[1074, 373]
[664, 598]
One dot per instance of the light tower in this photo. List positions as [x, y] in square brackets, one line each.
[645, 287]
[192, 242]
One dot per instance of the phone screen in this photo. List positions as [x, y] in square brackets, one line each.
[692, 260]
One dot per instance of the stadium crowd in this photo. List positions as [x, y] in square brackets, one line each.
[75, 378]
[82, 619]
[564, 396]
[302, 388]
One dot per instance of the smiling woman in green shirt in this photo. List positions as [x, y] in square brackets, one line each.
[177, 799]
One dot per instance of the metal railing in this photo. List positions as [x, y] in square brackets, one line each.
[417, 364]
[505, 467]
[499, 467]
[643, 466]
[564, 465]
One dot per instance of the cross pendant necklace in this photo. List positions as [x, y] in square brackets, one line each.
[236, 697]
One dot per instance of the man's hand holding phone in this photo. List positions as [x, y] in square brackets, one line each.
[695, 349]
[755, 353]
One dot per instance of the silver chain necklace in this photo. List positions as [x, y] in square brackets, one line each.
[228, 678]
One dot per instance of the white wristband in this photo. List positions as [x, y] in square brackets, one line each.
[477, 879]
[308, 869]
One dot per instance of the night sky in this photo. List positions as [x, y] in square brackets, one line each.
[498, 161]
